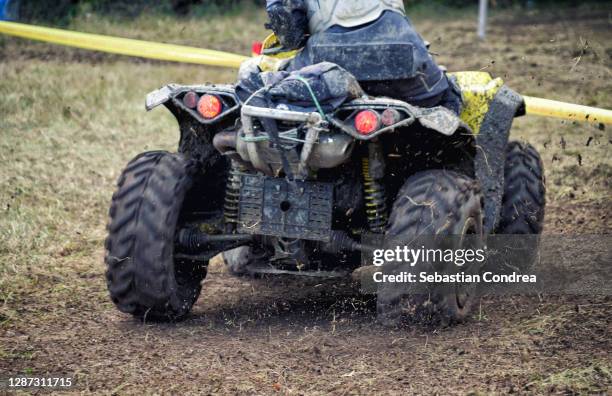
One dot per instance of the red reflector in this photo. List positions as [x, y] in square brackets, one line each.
[390, 117]
[191, 99]
[209, 106]
[367, 122]
[257, 48]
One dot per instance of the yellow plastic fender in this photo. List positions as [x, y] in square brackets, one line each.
[478, 89]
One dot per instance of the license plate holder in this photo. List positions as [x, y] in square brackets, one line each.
[277, 207]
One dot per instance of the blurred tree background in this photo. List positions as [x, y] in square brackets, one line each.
[60, 10]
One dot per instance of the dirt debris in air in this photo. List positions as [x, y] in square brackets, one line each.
[287, 336]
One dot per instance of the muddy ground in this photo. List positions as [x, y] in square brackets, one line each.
[284, 336]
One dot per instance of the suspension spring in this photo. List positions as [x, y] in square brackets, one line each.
[375, 200]
[232, 196]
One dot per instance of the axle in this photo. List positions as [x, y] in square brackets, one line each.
[193, 240]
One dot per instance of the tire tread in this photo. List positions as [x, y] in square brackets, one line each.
[142, 220]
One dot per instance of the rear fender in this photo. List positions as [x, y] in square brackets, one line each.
[438, 119]
[196, 131]
[489, 109]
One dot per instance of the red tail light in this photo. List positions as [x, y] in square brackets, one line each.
[367, 121]
[209, 106]
[390, 117]
[191, 99]
[257, 48]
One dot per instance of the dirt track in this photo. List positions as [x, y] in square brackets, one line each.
[283, 336]
[256, 336]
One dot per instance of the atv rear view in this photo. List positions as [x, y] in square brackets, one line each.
[280, 190]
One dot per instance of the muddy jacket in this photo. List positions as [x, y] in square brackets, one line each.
[323, 14]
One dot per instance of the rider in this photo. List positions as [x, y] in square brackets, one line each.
[372, 39]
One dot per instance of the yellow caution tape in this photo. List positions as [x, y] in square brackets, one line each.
[123, 46]
[180, 53]
[567, 111]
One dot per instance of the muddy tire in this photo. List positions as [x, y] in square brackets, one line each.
[437, 203]
[524, 198]
[143, 277]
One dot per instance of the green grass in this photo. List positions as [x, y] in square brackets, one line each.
[68, 128]
[66, 132]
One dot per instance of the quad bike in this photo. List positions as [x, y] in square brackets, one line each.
[366, 167]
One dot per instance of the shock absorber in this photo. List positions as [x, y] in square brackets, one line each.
[375, 198]
[232, 195]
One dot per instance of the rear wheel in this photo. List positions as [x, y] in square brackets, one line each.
[524, 191]
[522, 212]
[143, 276]
[439, 204]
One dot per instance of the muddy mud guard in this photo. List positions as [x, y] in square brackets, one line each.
[197, 132]
[492, 140]
[195, 144]
[196, 139]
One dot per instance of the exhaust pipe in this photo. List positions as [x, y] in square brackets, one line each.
[225, 141]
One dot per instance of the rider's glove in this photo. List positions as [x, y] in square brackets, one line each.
[289, 22]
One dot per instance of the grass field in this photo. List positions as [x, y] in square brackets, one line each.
[70, 120]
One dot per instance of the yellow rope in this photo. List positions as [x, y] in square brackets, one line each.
[180, 53]
[123, 46]
[567, 111]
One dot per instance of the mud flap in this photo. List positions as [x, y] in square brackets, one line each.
[490, 159]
